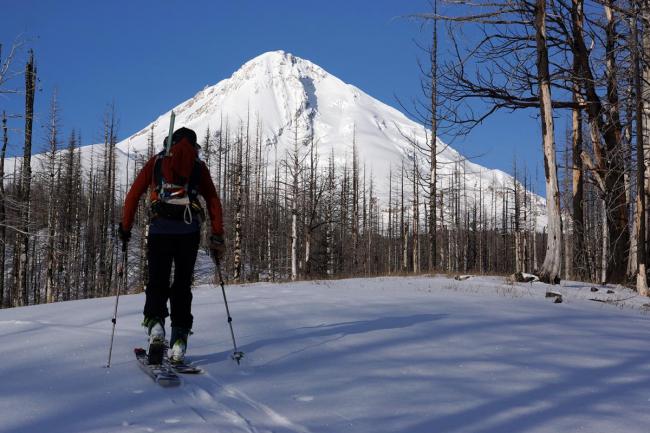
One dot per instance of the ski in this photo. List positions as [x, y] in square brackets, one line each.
[185, 368]
[162, 374]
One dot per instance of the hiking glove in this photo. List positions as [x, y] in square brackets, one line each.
[124, 235]
[217, 246]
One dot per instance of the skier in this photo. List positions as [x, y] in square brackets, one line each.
[175, 178]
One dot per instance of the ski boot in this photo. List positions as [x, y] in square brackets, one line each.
[178, 345]
[156, 331]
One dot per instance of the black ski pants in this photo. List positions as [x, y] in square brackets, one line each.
[163, 250]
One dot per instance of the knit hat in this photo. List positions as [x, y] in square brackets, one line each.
[183, 132]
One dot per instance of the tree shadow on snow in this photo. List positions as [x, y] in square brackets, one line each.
[579, 393]
[337, 330]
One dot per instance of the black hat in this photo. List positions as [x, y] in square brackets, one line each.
[183, 132]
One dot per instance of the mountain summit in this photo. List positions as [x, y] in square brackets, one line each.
[279, 90]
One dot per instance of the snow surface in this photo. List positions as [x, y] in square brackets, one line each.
[411, 354]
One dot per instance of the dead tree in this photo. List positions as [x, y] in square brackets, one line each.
[500, 69]
[52, 206]
[606, 133]
[3, 210]
[294, 165]
[239, 175]
[433, 176]
[415, 254]
[640, 213]
[21, 249]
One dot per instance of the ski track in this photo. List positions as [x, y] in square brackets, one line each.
[213, 402]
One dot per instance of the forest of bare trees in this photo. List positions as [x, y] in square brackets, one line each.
[581, 66]
[584, 64]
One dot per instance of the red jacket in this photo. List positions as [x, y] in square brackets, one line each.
[175, 169]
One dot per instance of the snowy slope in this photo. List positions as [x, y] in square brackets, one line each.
[280, 89]
[416, 355]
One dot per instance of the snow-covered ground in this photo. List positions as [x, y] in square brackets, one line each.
[416, 355]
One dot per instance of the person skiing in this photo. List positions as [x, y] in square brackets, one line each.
[175, 177]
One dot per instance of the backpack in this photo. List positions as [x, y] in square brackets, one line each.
[176, 201]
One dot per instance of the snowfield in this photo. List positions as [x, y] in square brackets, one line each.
[398, 354]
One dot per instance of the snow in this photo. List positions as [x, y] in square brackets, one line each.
[391, 354]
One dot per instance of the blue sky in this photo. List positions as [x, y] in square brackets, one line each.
[148, 56]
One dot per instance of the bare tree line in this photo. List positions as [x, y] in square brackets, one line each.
[587, 63]
[301, 216]
[297, 216]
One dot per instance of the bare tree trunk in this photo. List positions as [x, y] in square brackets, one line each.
[329, 217]
[295, 174]
[21, 252]
[238, 211]
[433, 176]
[519, 262]
[645, 101]
[416, 217]
[294, 240]
[568, 227]
[403, 227]
[605, 245]
[3, 210]
[444, 251]
[106, 218]
[355, 203]
[390, 221]
[579, 263]
[614, 178]
[641, 277]
[550, 271]
[311, 210]
[52, 207]
[269, 248]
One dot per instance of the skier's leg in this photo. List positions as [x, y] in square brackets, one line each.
[159, 257]
[181, 290]
[181, 294]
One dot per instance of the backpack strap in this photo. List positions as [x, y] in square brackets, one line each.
[192, 186]
[157, 175]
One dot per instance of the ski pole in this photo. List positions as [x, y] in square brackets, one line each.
[237, 355]
[122, 273]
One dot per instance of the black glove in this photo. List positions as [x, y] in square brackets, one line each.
[124, 235]
[217, 247]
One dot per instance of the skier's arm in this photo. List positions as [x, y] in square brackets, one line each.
[138, 188]
[209, 193]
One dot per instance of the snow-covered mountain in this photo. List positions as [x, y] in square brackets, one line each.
[279, 89]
